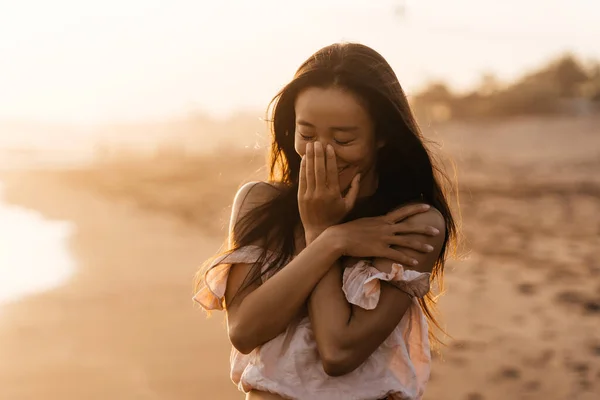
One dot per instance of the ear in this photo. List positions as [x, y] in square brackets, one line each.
[380, 143]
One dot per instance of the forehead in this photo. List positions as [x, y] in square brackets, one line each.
[331, 107]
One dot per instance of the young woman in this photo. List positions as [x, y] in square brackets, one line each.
[326, 280]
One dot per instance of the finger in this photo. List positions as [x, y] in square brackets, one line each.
[332, 174]
[310, 168]
[398, 256]
[320, 174]
[404, 228]
[352, 194]
[403, 241]
[406, 211]
[302, 183]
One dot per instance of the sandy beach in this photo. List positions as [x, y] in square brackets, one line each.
[124, 327]
[522, 306]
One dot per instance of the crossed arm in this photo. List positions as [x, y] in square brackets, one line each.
[346, 334]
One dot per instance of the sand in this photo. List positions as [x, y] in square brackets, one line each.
[124, 327]
[522, 306]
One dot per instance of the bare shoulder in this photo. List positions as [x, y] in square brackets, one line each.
[432, 217]
[251, 195]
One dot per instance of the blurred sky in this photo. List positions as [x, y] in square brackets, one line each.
[85, 61]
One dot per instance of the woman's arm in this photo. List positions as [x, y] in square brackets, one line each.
[347, 335]
[263, 311]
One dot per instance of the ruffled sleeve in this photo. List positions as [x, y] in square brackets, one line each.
[362, 287]
[212, 291]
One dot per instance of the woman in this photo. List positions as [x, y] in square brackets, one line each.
[326, 281]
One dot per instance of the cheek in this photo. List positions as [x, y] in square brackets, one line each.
[355, 155]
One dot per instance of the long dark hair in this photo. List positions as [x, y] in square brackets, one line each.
[405, 169]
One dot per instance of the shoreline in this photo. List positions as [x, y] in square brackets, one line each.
[51, 235]
[124, 325]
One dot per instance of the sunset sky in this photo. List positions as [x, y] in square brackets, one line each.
[116, 60]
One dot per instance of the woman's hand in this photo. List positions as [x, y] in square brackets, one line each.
[320, 201]
[380, 236]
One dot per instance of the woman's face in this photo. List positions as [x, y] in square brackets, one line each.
[337, 117]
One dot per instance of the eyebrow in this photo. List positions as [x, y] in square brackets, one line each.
[335, 128]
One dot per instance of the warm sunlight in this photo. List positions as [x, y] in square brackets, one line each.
[87, 62]
[142, 183]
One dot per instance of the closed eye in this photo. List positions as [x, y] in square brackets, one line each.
[312, 137]
[305, 137]
[342, 142]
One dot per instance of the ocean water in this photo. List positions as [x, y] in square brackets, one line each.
[34, 254]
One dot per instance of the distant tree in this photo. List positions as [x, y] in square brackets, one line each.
[570, 75]
[566, 73]
[436, 92]
[488, 85]
[593, 87]
[434, 103]
[543, 91]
